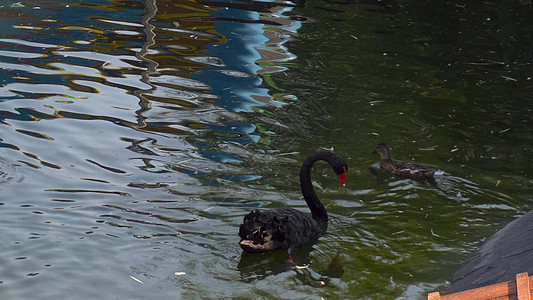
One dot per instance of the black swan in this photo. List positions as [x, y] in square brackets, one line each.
[503, 255]
[404, 169]
[287, 228]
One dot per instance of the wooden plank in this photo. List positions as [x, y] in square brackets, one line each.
[519, 289]
[496, 291]
[522, 286]
[531, 287]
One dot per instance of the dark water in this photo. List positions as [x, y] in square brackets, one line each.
[135, 135]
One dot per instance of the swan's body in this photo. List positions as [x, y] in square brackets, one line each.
[287, 228]
[404, 169]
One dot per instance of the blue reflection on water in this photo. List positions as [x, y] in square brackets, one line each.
[221, 157]
[237, 80]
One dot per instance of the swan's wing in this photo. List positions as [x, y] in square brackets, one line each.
[277, 229]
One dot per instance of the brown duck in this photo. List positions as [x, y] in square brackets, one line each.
[404, 169]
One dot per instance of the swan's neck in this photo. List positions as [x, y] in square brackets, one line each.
[318, 211]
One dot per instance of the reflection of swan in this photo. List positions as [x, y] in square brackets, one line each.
[502, 256]
[404, 169]
[287, 228]
[253, 267]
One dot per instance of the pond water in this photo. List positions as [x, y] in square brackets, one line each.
[135, 136]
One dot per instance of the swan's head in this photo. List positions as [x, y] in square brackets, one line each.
[341, 168]
[383, 150]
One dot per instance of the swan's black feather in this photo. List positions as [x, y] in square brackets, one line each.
[276, 229]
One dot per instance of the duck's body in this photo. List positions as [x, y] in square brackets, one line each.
[404, 169]
[287, 228]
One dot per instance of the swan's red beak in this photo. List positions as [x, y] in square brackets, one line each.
[342, 177]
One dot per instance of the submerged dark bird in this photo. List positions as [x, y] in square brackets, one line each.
[287, 228]
[404, 169]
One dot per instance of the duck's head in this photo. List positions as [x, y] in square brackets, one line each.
[383, 150]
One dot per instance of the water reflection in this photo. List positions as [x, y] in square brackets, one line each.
[131, 122]
[203, 62]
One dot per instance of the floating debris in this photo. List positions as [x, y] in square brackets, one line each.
[508, 78]
[136, 279]
[505, 130]
[431, 148]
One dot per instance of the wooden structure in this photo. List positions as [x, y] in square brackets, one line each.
[519, 289]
